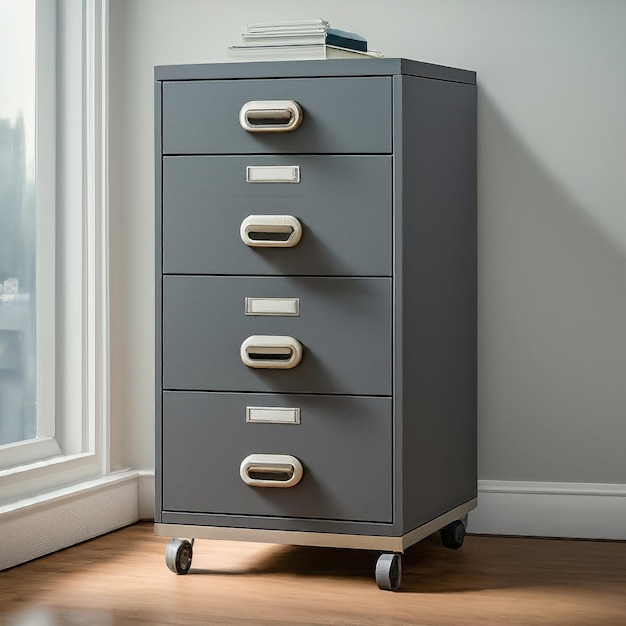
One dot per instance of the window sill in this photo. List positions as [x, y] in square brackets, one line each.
[45, 476]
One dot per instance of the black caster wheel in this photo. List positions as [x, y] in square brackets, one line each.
[178, 555]
[389, 572]
[453, 534]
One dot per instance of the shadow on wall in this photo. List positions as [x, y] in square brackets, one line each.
[552, 321]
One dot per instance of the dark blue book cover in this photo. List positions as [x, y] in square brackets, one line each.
[344, 39]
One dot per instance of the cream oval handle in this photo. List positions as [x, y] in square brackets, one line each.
[271, 231]
[271, 352]
[270, 116]
[271, 470]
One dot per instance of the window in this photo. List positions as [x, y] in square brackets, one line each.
[27, 212]
[17, 224]
[53, 374]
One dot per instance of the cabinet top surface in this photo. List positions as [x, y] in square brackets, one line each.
[313, 69]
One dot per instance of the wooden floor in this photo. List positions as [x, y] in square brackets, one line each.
[122, 579]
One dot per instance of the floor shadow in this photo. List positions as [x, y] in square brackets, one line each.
[426, 566]
[482, 563]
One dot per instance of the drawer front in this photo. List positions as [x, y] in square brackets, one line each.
[343, 445]
[343, 325]
[342, 203]
[339, 115]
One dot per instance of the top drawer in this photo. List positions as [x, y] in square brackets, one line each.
[339, 115]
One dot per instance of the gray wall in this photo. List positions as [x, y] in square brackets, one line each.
[552, 225]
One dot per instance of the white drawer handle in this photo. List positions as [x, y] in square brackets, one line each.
[270, 116]
[270, 231]
[271, 352]
[271, 470]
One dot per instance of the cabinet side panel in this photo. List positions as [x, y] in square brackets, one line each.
[158, 282]
[436, 297]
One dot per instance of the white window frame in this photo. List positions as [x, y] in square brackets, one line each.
[73, 391]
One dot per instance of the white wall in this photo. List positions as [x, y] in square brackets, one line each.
[552, 219]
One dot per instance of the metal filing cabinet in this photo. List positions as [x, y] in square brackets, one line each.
[316, 305]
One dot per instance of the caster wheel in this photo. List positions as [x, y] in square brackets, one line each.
[178, 555]
[389, 572]
[453, 534]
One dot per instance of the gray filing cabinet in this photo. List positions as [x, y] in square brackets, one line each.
[316, 305]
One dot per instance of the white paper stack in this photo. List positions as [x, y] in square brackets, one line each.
[299, 40]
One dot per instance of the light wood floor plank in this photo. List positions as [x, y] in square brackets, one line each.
[121, 578]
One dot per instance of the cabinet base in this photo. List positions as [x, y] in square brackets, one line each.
[328, 540]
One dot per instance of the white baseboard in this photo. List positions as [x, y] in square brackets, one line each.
[145, 484]
[573, 510]
[66, 517]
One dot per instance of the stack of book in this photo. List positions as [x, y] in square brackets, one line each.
[299, 40]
